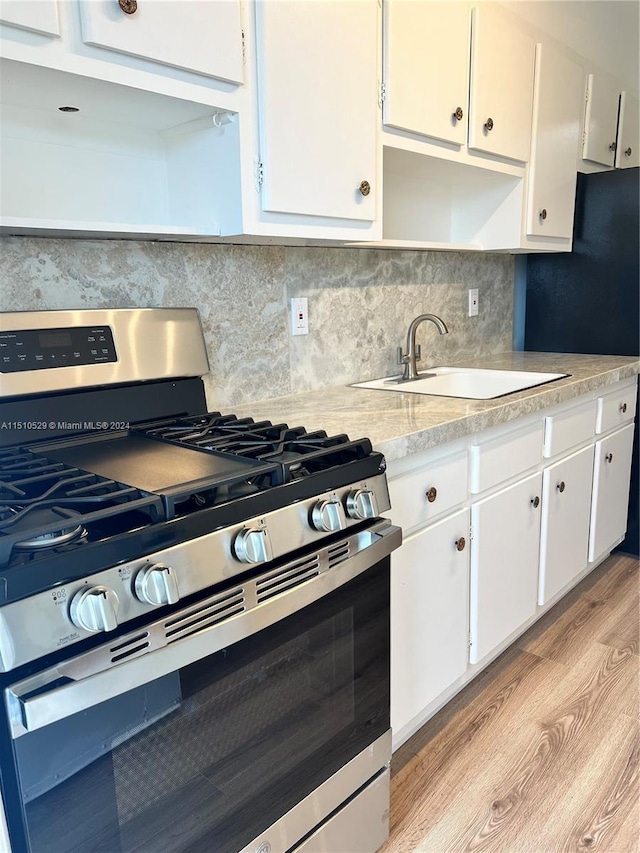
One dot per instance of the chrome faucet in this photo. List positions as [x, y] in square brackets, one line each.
[410, 358]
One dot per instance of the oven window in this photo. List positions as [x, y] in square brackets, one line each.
[207, 758]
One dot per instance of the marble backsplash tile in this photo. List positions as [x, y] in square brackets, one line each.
[361, 302]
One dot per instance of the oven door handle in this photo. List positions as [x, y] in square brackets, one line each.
[74, 686]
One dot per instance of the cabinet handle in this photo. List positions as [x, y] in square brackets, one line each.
[543, 213]
[561, 486]
[458, 114]
[488, 125]
[128, 6]
[535, 502]
[608, 457]
[460, 543]
[432, 494]
[612, 147]
[627, 151]
[365, 187]
[623, 408]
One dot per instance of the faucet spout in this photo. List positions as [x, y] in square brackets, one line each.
[410, 358]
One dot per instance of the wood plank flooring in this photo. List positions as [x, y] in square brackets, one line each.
[541, 753]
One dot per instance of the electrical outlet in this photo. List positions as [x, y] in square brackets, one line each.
[300, 316]
[473, 302]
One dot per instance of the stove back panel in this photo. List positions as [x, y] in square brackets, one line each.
[45, 417]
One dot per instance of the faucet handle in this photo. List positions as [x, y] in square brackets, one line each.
[418, 352]
[402, 358]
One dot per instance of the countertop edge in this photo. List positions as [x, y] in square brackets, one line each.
[400, 425]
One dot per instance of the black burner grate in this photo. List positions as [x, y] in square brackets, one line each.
[299, 453]
[45, 504]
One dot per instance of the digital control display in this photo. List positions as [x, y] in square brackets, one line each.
[42, 349]
[54, 339]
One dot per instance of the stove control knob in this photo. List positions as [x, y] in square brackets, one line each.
[253, 545]
[156, 584]
[328, 516]
[95, 608]
[361, 504]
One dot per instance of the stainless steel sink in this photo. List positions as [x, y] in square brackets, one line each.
[469, 383]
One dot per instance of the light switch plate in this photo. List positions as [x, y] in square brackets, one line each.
[299, 316]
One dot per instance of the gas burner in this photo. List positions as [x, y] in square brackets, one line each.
[70, 529]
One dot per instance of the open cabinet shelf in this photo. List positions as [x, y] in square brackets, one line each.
[127, 163]
[434, 203]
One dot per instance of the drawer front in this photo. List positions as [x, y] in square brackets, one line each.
[569, 429]
[505, 457]
[419, 497]
[616, 408]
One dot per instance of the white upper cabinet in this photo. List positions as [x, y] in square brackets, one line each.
[426, 68]
[502, 61]
[557, 110]
[600, 121]
[40, 16]
[628, 142]
[318, 107]
[196, 36]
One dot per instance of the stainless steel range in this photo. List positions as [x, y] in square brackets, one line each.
[194, 608]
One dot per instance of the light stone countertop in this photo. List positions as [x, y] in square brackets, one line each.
[400, 424]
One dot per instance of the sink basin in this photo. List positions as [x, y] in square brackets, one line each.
[469, 383]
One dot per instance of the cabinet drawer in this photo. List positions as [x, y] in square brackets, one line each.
[616, 408]
[569, 428]
[423, 495]
[505, 457]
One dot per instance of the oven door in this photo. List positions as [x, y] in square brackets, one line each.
[207, 741]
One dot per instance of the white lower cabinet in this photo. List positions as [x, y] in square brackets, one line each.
[611, 475]
[429, 616]
[541, 501]
[504, 563]
[566, 505]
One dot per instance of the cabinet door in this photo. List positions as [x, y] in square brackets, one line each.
[566, 505]
[201, 37]
[628, 142]
[40, 16]
[600, 120]
[426, 68]
[611, 477]
[504, 563]
[429, 616]
[318, 122]
[557, 110]
[502, 60]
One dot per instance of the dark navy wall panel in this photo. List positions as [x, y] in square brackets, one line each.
[588, 301]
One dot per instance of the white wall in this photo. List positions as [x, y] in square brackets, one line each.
[607, 32]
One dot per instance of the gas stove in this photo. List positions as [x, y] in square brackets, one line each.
[107, 522]
[144, 544]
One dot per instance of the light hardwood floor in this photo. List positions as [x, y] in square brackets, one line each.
[541, 753]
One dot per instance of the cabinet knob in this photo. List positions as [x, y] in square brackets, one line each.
[128, 6]
[608, 457]
[543, 213]
[458, 113]
[627, 151]
[365, 187]
[535, 502]
[623, 407]
[561, 486]
[432, 494]
[460, 543]
[612, 147]
[488, 125]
